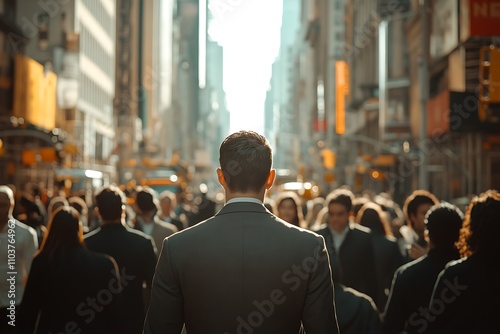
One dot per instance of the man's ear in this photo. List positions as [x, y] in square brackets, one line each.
[220, 177]
[270, 179]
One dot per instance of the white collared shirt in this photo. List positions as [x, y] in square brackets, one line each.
[244, 200]
[338, 238]
[147, 228]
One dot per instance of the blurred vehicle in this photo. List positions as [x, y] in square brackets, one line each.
[77, 179]
[161, 178]
[306, 190]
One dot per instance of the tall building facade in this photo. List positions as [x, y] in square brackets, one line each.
[77, 41]
[281, 121]
[63, 86]
[144, 80]
[397, 95]
[95, 22]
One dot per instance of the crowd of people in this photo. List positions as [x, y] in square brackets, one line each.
[87, 264]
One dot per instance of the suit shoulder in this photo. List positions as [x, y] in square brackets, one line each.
[322, 229]
[138, 236]
[360, 230]
[304, 236]
[364, 298]
[408, 269]
[92, 234]
[166, 226]
[25, 229]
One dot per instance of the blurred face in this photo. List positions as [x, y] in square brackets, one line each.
[338, 216]
[166, 206]
[287, 210]
[418, 219]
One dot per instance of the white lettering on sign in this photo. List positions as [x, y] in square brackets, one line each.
[491, 10]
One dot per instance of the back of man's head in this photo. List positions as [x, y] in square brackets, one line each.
[110, 201]
[245, 160]
[443, 222]
[146, 199]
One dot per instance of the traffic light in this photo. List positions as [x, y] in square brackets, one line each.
[489, 80]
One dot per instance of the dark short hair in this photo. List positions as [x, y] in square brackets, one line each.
[416, 199]
[110, 201]
[146, 199]
[344, 197]
[444, 221]
[245, 159]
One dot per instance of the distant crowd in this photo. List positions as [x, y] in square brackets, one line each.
[85, 262]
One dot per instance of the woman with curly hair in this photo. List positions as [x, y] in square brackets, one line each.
[466, 295]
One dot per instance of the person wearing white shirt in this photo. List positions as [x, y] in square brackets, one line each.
[18, 244]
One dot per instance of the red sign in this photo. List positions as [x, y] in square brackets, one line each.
[320, 125]
[484, 17]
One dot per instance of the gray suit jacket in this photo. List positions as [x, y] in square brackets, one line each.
[242, 271]
[161, 230]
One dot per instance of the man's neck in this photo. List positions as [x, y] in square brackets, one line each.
[111, 222]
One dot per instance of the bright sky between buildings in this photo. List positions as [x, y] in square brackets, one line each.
[249, 31]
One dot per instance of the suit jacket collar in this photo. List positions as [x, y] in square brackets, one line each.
[242, 207]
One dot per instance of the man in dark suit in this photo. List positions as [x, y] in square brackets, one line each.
[243, 270]
[413, 283]
[133, 251]
[349, 245]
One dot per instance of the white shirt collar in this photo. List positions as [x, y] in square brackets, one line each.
[244, 200]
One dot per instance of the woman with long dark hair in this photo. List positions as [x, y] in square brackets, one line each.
[289, 209]
[69, 288]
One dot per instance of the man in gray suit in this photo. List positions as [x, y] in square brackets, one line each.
[243, 270]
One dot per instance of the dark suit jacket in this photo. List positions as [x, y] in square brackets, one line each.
[412, 288]
[176, 222]
[388, 258]
[161, 230]
[242, 271]
[355, 261]
[356, 312]
[135, 255]
[78, 292]
[466, 297]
